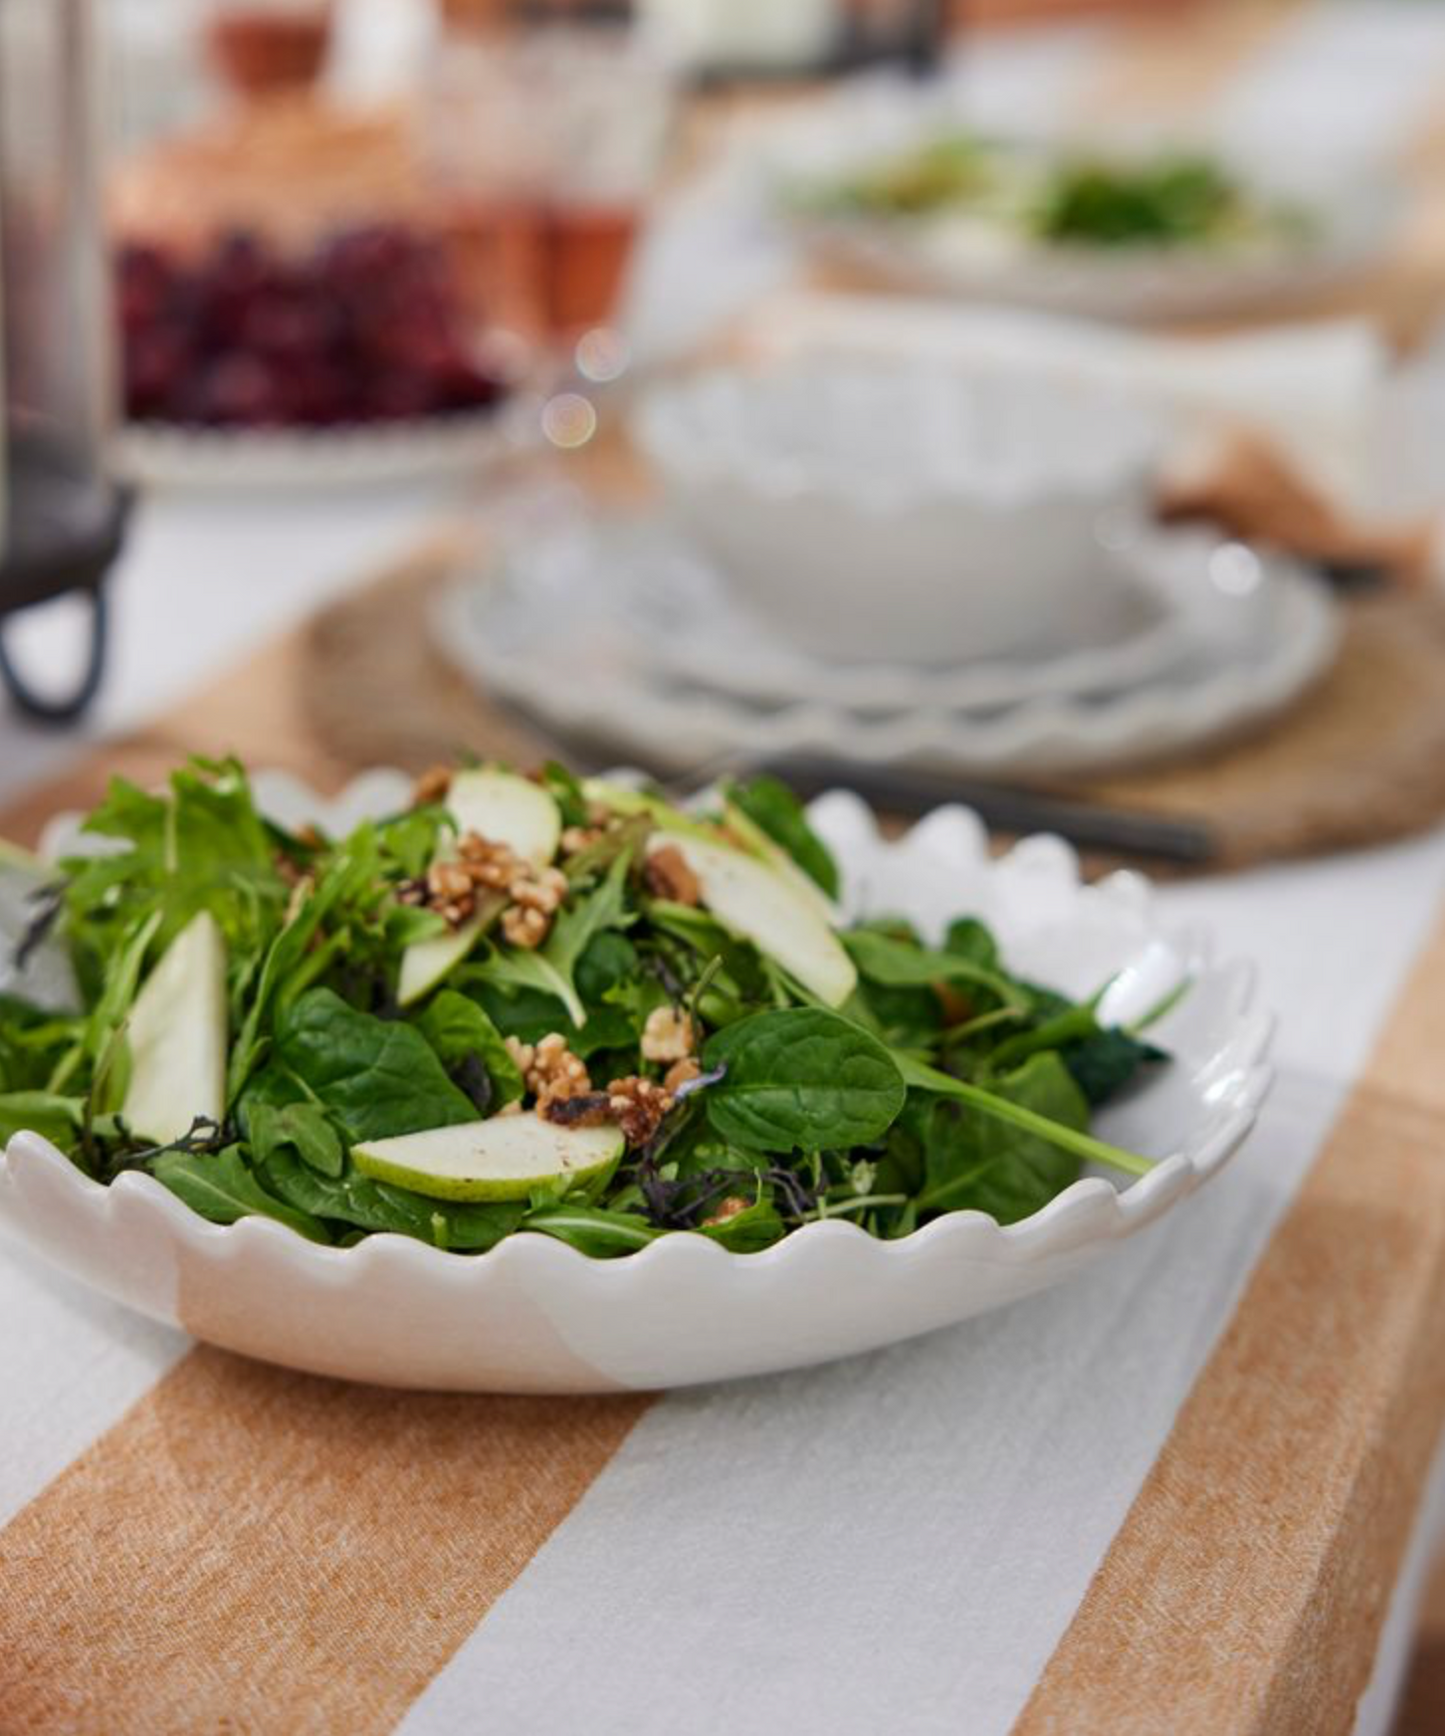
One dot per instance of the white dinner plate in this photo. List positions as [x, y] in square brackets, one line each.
[1163, 612]
[534, 1315]
[649, 680]
[1123, 285]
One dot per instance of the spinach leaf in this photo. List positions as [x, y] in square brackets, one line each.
[895, 963]
[460, 1031]
[304, 1127]
[221, 1187]
[1105, 1063]
[773, 807]
[1102, 1059]
[51, 1115]
[920, 1076]
[352, 1198]
[977, 1163]
[801, 1079]
[749, 1231]
[378, 1078]
[970, 939]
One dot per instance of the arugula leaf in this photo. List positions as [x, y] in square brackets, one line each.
[291, 961]
[378, 1078]
[592, 1230]
[220, 1187]
[566, 792]
[773, 807]
[801, 1079]
[552, 971]
[459, 1030]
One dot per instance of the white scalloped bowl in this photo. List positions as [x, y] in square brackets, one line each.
[903, 513]
[534, 1315]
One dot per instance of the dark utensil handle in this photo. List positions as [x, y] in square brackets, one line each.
[42, 707]
[1007, 808]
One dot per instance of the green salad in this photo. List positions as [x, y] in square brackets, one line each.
[1080, 199]
[534, 1004]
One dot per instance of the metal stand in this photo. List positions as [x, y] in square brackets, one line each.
[41, 707]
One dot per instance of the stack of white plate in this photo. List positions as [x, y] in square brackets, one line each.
[889, 567]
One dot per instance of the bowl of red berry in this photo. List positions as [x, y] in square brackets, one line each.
[356, 358]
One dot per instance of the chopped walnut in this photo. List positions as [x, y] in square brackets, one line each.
[488, 864]
[544, 893]
[578, 838]
[668, 876]
[434, 785]
[667, 1035]
[728, 1208]
[449, 881]
[681, 1073]
[525, 928]
[637, 1106]
[552, 1072]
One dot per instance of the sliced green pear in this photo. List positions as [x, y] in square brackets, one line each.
[747, 832]
[509, 810]
[505, 809]
[501, 1159]
[177, 1035]
[763, 906]
[768, 850]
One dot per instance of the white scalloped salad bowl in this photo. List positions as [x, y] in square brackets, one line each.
[534, 1315]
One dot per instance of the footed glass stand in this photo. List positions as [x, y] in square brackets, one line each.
[62, 531]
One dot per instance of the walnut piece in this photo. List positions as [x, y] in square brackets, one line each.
[728, 1208]
[434, 785]
[668, 876]
[667, 1035]
[638, 1106]
[681, 1073]
[551, 1071]
[488, 864]
[525, 928]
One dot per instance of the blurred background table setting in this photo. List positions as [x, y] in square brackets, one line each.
[1035, 404]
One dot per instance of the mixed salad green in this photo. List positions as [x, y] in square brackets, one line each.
[1169, 200]
[535, 1004]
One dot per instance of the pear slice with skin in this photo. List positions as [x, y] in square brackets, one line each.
[745, 832]
[504, 809]
[177, 1033]
[761, 905]
[504, 1158]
